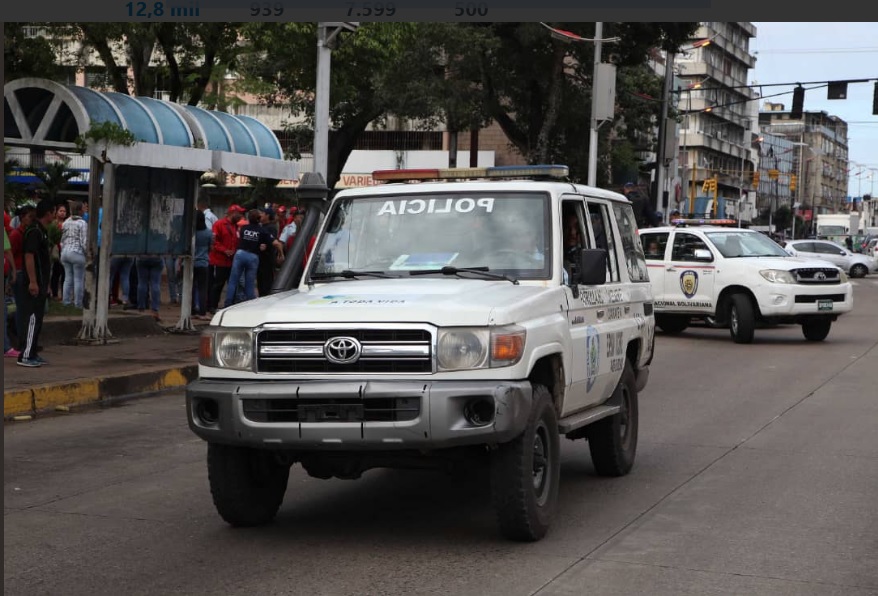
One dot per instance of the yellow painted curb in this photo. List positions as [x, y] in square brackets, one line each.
[18, 402]
[47, 397]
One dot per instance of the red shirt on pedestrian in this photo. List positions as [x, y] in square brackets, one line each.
[225, 243]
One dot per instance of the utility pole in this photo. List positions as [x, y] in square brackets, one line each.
[327, 40]
[661, 173]
[593, 131]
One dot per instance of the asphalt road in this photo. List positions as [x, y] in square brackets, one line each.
[756, 473]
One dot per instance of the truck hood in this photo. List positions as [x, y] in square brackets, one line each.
[464, 302]
[783, 263]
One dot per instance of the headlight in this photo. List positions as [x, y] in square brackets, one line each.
[778, 276]
[475, 348]
[842, 276]
[227, 348]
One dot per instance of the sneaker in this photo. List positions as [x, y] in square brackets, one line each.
[11, 353]
[40, 359]
[30, 363]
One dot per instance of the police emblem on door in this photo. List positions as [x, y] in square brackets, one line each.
[593, 356]
[689, 283]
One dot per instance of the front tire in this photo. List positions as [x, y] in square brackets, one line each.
[247, 485]
[613, 440]
[859, 270]
[742, 319]
[816, 329]
[525, 474]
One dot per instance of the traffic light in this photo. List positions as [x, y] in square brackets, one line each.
[875, 101]
[755, 179]
[798, 103]
[705, 187]
[793, 181]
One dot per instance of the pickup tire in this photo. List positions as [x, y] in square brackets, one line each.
[247, 485]
[816, 329]
[613, 440]
[672, 324]
[742, 319]
[525, 474]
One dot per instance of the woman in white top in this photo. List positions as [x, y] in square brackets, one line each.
[74, 241]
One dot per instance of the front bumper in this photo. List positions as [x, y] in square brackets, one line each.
[778, 300]
[439, 422]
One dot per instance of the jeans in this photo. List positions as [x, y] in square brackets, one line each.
[245, 263]
[199, 290]
[149, 279]
[174, 288]
[74, 277]
[121, 266]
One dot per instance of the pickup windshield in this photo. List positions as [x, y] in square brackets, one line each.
[740, 243]
[506, 233]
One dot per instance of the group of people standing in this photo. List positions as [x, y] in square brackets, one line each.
[29, 242]
[45, 255]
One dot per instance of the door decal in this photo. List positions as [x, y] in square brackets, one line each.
[593, 351]
[689, 283]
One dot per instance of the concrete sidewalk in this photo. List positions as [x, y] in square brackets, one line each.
[145, 357]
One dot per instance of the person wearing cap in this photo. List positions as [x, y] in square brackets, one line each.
[643, 211]
[222, 253]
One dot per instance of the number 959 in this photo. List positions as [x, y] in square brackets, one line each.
[266, 9]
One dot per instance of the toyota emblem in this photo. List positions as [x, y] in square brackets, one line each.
[342, 350]
[820, 276]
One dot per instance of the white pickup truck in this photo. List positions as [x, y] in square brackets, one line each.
[741, 279]
[437, 323]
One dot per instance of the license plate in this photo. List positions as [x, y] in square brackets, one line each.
[824, 305]
[331, 413]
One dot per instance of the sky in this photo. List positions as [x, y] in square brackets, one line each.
[804, 52]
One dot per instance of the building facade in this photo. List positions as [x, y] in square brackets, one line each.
[820, 163]
[716, 122]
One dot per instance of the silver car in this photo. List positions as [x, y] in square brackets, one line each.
[856, 265]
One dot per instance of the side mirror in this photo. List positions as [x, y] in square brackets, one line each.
[702, 254]
[592, 267]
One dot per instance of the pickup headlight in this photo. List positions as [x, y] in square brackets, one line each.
[470, 348]
[778, 276]
[842, 276]
[227, 348]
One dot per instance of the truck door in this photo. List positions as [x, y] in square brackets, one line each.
[689, 283]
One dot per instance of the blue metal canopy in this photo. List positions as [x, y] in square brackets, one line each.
[40, 112]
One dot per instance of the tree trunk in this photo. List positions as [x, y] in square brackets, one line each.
[118, 79]
[541, 154]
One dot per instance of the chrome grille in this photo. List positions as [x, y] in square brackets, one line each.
[817, 275]
[382, 351]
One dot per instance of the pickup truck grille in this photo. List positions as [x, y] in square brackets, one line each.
[824, 276]
[391, 409]
[381, 351]
[818, 298]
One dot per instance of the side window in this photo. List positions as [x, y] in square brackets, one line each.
[572, 232]
[601, 226]
[654, 245]
[825, 249]
[685, 245]
[634, 257]
[804, 247]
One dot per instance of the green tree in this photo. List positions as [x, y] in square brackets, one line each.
[54, 176]
[26, 55]
[370, 77]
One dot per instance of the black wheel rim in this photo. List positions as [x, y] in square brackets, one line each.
[733, 320]
[541, 461]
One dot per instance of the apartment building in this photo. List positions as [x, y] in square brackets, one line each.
[716, 128]
[820, 161]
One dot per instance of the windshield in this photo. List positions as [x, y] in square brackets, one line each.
[739, 243]
[508, 233]
[823, 230]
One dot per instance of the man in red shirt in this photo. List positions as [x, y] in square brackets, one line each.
[222, 251]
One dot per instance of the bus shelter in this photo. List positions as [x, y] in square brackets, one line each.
[147, 190]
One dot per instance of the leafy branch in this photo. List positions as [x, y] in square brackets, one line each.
[106, 132]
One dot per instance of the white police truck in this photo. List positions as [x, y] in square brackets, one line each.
[711, 270]
[444, 318]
